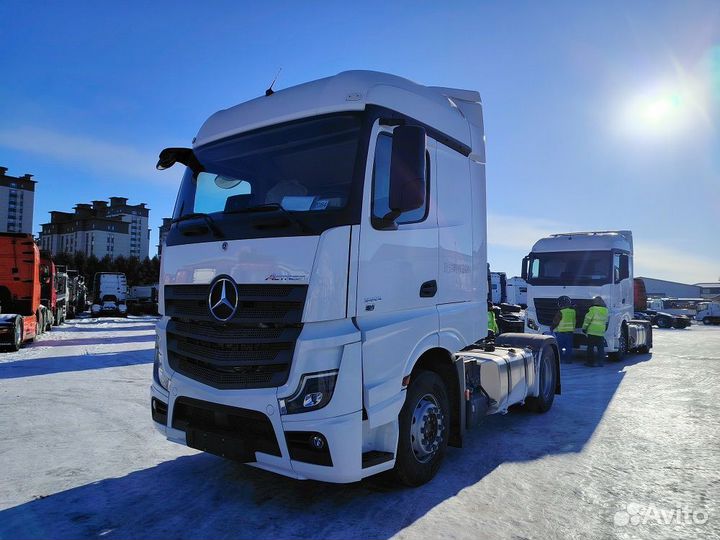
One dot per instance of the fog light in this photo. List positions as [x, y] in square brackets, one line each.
[317, 442]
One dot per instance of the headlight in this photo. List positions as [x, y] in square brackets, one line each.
[95, 308]
[314, 392]
[158, 372]
[532, 324]
[122, 307]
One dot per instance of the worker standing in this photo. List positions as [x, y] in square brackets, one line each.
[493, 329]
[595, 324]
[564, 328]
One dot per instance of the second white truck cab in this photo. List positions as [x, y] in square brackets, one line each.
[708, 313]
[498, 288]
[111, 291]
[517, 291]
[324, 284]
[584, 265]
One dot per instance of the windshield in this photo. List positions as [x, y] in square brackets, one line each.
[304, 167]
[570, 268]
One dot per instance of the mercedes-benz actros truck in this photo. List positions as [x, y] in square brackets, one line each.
[584, 265]
[324, 284]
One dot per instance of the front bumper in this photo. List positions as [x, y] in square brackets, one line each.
[342, 434]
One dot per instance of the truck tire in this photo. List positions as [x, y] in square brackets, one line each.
[424, 429]
[18, 335]
[547, 375]
[707, 321]
[622, 346]
[663, 322]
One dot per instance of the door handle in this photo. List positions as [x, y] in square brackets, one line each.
[428, 289]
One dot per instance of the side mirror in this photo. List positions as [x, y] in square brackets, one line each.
[171, 156]
[524, 270]
[407, 170]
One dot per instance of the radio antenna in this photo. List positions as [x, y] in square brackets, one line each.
[270, 91]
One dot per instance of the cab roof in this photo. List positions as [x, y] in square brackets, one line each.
[585, 241]
[454, 112]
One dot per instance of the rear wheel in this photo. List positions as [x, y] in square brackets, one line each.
[547, 382]
[424, 429]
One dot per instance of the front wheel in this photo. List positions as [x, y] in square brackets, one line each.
[622, 347]
[663, 322]
[18, 335]
[424, 429]
[707, 321]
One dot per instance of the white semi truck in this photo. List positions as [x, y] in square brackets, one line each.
[498, 288]
[111, 291]
[708, 313]
[584, 265]
[517, 291]
[323, 285]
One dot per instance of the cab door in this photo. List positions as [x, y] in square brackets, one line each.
[397, 276]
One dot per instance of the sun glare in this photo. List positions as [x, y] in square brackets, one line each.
[677, 108]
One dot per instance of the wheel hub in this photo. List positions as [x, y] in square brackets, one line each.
[427, 429]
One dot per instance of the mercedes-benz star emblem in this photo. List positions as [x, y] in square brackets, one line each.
[223, 299]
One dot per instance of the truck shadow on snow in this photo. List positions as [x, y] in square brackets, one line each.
[31, 367]
[202, 496]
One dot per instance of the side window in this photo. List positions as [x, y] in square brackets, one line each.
[621, 267]
[624, 267]
[381, 183]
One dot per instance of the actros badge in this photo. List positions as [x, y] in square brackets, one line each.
[223, 298]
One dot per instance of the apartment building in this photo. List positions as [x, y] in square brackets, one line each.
[17, 200]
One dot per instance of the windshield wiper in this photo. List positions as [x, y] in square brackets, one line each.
[214, 229]
[267, 207]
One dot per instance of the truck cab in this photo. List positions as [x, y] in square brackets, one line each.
[582, 266]
[324, 282]
[708, 313]
[110, 290]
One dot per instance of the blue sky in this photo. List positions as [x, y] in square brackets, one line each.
[597, 116]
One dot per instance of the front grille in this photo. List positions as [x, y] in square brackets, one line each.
[546, 308]
[254, 349]
[278, 304]
[228, 431]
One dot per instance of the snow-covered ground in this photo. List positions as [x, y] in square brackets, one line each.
[628, 443]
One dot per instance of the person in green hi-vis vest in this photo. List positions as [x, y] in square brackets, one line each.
[564, 328]
[493, 329]
[594, 325]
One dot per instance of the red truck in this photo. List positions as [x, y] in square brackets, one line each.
[22, 316]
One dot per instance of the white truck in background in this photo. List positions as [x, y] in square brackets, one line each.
[498, 288]
[584, 265]
[110, 292]
[324, 284]
[708, 313]
[517, 291]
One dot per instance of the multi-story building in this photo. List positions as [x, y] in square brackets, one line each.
[17, 199]
[137, 216]
[98, 229]
[164, 229]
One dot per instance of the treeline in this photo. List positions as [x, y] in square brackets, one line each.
[138, 272]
